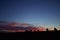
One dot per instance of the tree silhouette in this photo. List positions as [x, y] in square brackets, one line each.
[26, 30]
[55, 29]
[47, 29]
[37, 30]
[30, 30]
[34, 30]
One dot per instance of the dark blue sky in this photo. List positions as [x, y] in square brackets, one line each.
[36, 12]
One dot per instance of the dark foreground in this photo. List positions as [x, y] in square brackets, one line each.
[30, 35]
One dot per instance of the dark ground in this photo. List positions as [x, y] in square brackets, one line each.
[30, 35]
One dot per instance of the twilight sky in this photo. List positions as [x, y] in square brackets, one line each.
[36, 12]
